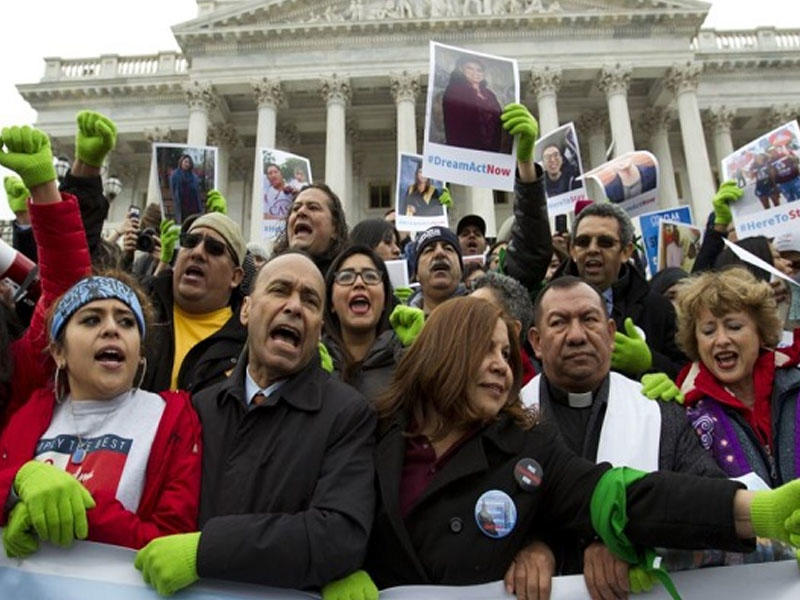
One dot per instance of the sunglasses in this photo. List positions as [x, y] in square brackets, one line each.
[603, 241]
[348, 276]
[213, 246]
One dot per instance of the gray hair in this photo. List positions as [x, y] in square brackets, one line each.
[512, 295]
[607, 209]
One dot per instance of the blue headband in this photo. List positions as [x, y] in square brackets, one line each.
[91, 289]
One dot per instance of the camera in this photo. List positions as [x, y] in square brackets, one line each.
[146, 240]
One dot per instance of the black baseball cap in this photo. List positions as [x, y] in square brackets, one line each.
[472, 220]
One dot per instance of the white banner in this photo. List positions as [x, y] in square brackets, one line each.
[90, 571]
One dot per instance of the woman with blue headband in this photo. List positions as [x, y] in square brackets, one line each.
[95, 457]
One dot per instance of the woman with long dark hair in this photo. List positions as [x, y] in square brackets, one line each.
[184, 186]
[378, 235]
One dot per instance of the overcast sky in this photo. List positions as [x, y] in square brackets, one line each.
[87, 28]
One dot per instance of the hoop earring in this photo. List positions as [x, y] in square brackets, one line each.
[143, 365]
[58, 389]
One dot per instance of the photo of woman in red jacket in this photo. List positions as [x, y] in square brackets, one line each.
[93, 456]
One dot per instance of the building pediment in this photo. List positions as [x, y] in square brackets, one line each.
[275, 17]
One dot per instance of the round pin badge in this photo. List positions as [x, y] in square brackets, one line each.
[495, 514]
[528, 474]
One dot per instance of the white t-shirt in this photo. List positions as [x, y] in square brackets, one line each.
[105, 444]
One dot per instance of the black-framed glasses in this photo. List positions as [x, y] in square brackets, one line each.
[212, 245]
[348, 276]
[603, 241]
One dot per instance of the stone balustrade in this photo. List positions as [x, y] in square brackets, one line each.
[762, 39]
[113, 66]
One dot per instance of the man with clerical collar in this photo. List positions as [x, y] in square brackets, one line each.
[287, 497]
[601, 415]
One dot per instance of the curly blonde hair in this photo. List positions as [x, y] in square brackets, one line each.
[722, 292]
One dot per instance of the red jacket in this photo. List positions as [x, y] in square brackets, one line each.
[170, 498]
[63, 260]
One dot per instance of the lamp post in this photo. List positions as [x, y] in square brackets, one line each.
[61, 165]
[112, 187]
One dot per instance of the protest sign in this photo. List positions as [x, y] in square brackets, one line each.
[185, 175]
[648, 223]
[678, 245]
[283, 175]
[560, 157]
[398, 272]
[630, 180]
[417, 205]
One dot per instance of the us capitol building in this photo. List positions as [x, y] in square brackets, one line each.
[343, 82]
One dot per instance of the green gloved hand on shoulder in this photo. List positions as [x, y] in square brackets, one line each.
[56, 501]
[96, 137]
[215, 202]
[169, 239]
[19, 538]
[356, 586]
[169, 563]
[28, 154]
[658, 386]
[631, 354]
[728, 192]
[17, 193]
[775, 514]
[519, 121]
[445, 199]
[407, 322]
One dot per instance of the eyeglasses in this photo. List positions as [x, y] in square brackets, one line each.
[212, 245]
[348, 276]
[603, 241]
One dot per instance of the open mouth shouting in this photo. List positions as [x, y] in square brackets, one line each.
[110, 357]
[286, 336]
[302, 229]
[359, 304]
[193, 274]
[726, 360]
[593, 266]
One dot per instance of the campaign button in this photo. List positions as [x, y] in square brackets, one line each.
[495, 514]
[528, 474]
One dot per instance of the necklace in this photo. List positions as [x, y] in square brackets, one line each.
[80, 452]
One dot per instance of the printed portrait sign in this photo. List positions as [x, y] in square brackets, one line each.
[283, 176]
[678, 244]
[417, 203]
[768, 170]
[464, 139]
[649, 225]
[560, 157]
[185, 176]
[630, 180]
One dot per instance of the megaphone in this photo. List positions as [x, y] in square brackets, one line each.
[21, 272]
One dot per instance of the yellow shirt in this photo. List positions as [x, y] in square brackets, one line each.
[191, 329]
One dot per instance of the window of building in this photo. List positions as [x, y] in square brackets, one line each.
[380, 195]
[500, 197]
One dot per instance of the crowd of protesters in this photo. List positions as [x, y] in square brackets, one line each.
[291, 420]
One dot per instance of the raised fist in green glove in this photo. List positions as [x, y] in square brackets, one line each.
[407, 322]
[215, 202]
[631, 354]
[658, 386]
[775, 514]
[325, 360]
[640, 580]
[28, 154]
[57, 502]
[356, 586]
[96, 137]
[518, 120]
[445, 199]
[169, 563]
[17, 194]
[19, 539]
[728, 192]
[403, 293]
[169, 238]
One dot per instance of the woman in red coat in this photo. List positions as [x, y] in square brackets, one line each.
[96, 457]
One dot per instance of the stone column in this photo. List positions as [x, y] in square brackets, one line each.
[720, 119]
[405, 87]
[352, 211]
[201, 100]
[592, 126]
[336, 94]
[269, 96]
[614, 81]
[544, 83]
[681, 80]
[654, 125]
[226, 138]
[480, 201]
[779, 115]
[153, 135]
[287, 136]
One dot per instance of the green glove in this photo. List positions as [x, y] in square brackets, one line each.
[407, 322]
[658, 386]
[631, 354]
[775, 514]
[728, 192]
[96, 137]
[169, 239]
[518, 120]
[215, 202]
[640, 580]
[403, 293]
[501, 260]
[19, 538]
[17, 194]
[445, 199]
[169, 563]
[356, 586]
[325, 359]
[27, 153]
[57, 502]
